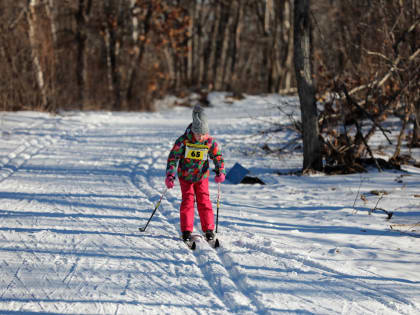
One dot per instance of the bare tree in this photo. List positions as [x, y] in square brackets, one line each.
[41, 34]
[312, 158]
[368, 70]
[82, 38]
[415, 141]
[119, 54]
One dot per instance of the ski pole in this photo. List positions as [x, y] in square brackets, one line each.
[142, 229]
[218, 204]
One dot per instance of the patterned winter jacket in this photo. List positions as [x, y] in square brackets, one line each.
[191, 169]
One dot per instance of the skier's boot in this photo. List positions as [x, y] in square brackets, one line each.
[186, 236]
[210, 235]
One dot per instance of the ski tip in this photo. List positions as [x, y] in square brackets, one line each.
[216, 243]
[190, 244]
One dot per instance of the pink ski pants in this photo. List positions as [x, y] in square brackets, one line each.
[201, 191]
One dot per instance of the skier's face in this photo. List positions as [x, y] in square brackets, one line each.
[200, 137]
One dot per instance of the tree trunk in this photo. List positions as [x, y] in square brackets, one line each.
[130, 55]
[82, 18]
[51, 13]
[212, 65]
[203, 12]
[221, 67]
[111, 27]
[191, 44]
[269, 12]
[285, 65]
[237, 42]
[109, 70]
[36, 51]
[312, 159]
[143, 33]
[416, 130]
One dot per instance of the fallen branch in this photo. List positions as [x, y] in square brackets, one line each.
[351, 101]
[388, 213]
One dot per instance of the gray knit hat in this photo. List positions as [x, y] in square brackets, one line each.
[199, 124]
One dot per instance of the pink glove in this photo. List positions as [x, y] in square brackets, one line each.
[169, 182]
[220, 178]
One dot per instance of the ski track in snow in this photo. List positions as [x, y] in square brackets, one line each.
[76, 188]
[211, 267]
[301, 264]
[23, 153]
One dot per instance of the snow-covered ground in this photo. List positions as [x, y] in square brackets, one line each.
[75, 188]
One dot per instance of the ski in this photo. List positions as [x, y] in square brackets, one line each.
[191, 244]
[214, 243]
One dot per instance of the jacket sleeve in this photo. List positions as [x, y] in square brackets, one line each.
[216, 155]
[174, 156]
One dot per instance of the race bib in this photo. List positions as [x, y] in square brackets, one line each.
[196, 151]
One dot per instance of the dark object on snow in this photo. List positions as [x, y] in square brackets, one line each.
[252, 180]
[388, 213]
[360, 165]
[236, 174]
[239, 175]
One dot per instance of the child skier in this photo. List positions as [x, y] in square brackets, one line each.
[191, 152]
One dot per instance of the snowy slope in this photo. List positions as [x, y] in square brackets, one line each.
[76, 187]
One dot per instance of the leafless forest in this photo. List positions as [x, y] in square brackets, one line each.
[123, 54]
[120, 54]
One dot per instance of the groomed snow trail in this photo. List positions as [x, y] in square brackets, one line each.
[70, 240]
[75, 189]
